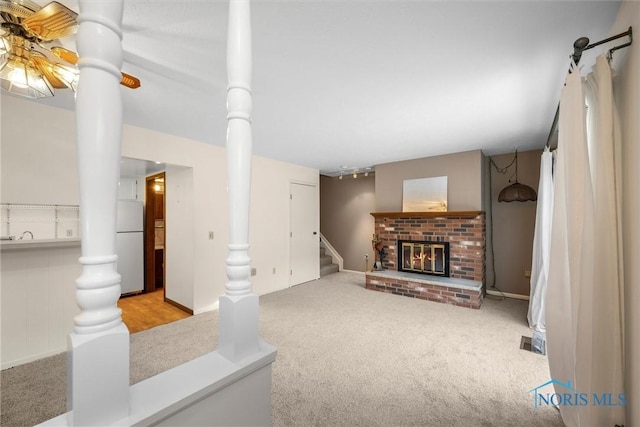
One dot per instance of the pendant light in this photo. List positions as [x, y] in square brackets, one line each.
[517, 192]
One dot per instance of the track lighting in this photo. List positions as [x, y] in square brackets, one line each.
[350, 171]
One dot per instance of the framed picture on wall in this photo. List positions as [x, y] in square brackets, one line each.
[424, 194]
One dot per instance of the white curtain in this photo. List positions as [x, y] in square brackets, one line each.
[604, 367]
[583, 318]
[541, 244]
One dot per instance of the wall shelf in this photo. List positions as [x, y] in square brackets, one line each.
[448, 214]
[42, 222]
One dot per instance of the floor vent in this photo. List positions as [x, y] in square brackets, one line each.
[525, 343]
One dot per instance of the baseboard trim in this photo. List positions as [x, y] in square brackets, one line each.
[178, 305]
[353, 271]
[507, 294]
[212, 307]
[17, 362]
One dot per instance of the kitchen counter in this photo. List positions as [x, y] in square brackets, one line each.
[11, 245]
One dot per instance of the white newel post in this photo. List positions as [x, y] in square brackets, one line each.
[98, 364]
[238, 327]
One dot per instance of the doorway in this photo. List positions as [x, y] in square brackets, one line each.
[155, 232]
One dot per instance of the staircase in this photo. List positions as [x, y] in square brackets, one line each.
[326, 263]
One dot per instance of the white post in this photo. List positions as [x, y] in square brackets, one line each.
[98, 364]
[238, 327]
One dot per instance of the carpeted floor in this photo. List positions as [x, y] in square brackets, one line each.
[346, 356]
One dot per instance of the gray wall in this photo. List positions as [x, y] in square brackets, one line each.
[462, 169]
[514, 225]
[345, 218]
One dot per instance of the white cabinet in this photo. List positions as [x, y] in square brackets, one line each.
[128, 189]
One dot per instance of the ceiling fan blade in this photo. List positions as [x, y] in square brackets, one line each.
[14, 11]
[72, 58]
[65, 54]
[52, 22]
[130, 81]
[46, 68]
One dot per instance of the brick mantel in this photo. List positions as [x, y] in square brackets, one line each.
[465, 232]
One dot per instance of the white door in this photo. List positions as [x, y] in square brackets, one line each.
[304, 246]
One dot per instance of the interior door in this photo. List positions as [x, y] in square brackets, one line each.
[304, 246]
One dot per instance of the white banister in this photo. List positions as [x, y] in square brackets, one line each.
[98, 375]
[336, 258]
[238, 327]
[231, 386]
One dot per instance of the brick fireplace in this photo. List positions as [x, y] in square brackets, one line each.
[465, 234]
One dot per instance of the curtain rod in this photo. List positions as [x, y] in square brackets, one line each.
[579, 46]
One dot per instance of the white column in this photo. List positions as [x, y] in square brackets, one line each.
[98, 365]
[238, 327]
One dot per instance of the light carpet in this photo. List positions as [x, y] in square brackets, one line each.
[346, 356]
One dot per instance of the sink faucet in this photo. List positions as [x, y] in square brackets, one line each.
[22, 235]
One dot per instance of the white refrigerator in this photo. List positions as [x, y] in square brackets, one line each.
[130, 245]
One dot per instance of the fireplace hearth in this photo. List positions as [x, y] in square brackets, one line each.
[424, 257]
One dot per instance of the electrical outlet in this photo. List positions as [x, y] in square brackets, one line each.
[69, 233]
[211, 235]
[527, 273]
[274, 270]
[254, 272]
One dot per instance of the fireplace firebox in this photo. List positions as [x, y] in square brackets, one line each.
[424, 257]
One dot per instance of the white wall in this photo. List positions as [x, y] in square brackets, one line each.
[39, 166]
[627, 86]
[39, 163]
[269, 216]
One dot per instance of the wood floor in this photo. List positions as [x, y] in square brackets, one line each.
[146, 311]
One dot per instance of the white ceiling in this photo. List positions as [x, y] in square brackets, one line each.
[359, 83]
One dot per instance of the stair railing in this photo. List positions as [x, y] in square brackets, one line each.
[335, 256]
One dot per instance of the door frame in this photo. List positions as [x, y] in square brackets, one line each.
[150, 233]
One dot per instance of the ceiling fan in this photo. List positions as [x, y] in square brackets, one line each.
[30, 64]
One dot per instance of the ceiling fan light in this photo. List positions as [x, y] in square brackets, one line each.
[5, 45]
[19, 78]
[517, 192]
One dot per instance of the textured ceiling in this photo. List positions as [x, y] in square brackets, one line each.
[359, 83]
